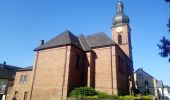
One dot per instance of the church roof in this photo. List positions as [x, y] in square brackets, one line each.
[99, 40]
[121, 18]
[83, 42]
[65, 38]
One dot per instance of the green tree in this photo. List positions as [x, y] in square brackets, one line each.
[164, 45]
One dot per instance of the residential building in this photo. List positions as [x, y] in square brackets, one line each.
[7, 74]
[169, 90]
[145, 83]
[22, 84]
[160, 89]
[166, 91]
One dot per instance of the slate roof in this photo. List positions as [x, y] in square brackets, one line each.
[4, 73]
[7, 71]
[9, 67]
[65, 38]
[26, 68]
[99, 40]
[140, 69]
[85, 43]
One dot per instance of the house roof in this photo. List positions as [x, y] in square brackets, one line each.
[8, 71]
[26, 68]
[9, 67]
[140, 69]
[4, 73]
[83, 42]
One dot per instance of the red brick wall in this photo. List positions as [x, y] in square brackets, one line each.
[123, 77]
[103, 76]
[21, 87]
[77, 70]
[91, 68]
[51, 75]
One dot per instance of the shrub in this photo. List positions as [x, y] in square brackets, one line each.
[82, 92]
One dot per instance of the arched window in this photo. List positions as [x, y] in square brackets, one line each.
[119, 39]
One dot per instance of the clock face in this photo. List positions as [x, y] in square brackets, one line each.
[119, 29]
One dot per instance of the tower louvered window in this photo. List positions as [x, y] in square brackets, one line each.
[119, 39]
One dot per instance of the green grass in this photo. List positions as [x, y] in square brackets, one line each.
[90, 93]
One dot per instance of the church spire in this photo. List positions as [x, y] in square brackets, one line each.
[120, 7]
[121, 17]
[121, 32]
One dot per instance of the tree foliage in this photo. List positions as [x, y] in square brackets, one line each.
[164, 45]
[167, 1]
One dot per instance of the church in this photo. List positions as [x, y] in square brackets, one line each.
[68, 61]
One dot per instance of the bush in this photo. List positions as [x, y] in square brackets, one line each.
[90, 93]
[83, 91]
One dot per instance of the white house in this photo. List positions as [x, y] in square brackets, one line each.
[145, 83]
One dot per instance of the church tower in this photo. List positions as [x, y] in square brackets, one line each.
[121, 32]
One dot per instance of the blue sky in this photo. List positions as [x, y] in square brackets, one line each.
[24, 22]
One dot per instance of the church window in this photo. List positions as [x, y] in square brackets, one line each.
[127, 69]
[121, 65]
[119, 39]
[77, 61]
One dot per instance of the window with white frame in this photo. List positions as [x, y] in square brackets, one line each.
[23, 79]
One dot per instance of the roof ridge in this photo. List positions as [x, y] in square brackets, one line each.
[81, 42]
[69, 36]
[146, 73]
[87, 41]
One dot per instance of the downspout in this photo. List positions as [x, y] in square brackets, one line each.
[111, 67]
[34, 74]
[64, 74]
